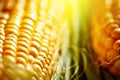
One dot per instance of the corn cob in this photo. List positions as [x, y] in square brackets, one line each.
[29, 39]
[106, 35]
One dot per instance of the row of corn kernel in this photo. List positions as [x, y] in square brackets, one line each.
[47, 49]
[3, 20]
[38, 61]
[11, 31]
[25, 32]
[4, 16]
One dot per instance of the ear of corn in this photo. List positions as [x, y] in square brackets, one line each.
[105, 35]
[29, 38]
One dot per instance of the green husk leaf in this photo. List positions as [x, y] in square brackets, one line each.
[91, 70]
